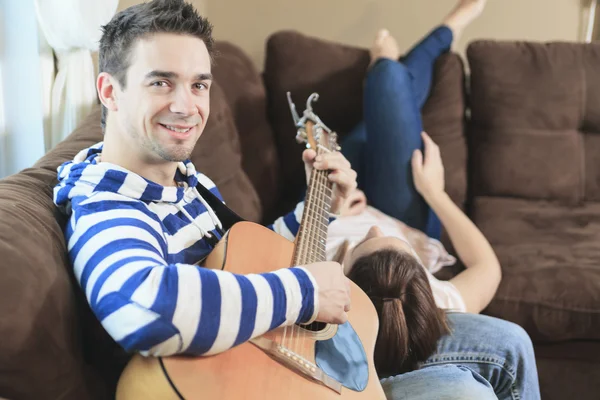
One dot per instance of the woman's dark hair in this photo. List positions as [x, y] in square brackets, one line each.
[410, 323]
[140, 21]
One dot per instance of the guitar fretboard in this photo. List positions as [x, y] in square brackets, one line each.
[312, 235]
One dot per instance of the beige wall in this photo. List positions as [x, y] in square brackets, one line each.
[249, 22]
[199, 4]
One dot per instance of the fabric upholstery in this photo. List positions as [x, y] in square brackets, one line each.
[302, 65]
[246, 96]
[40, 352]
[534, 146]
[218, 155]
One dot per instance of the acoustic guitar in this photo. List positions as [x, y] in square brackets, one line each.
[316, 361]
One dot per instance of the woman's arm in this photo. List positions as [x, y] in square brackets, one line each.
[479, 282]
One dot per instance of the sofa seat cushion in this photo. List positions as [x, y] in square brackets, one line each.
[550, 257]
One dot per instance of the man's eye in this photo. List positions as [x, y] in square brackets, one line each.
[159, 84]
[200, 86]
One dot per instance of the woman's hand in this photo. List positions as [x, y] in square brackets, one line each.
[428, 173]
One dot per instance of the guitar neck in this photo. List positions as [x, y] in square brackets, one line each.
[312, 235]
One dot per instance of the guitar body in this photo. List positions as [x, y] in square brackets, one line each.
[247, 371]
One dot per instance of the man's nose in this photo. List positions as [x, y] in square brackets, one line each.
[184, 103]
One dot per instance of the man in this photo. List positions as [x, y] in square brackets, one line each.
[138, 226]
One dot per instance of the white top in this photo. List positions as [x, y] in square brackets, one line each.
[429, 251]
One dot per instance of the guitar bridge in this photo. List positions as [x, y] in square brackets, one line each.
[296, 363]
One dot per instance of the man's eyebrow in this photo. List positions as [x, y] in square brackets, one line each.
[161, 74]
[203, 77]
[173, 75]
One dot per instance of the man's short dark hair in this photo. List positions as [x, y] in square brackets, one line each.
[142, 20]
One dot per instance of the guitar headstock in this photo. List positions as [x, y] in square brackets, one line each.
[310, 129]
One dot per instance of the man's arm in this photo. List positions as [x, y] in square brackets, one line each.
[118, 253]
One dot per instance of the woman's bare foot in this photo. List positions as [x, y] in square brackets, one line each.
[463, 14]
[384, 46]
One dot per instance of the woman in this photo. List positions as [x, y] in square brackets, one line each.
[400, 171]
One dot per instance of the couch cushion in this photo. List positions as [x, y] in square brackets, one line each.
[303, 65]
[246, 96]
[535, 144]
[550, 257]
[531, 104]
[218, 155]
[41, 348]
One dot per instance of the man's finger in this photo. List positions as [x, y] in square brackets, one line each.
[346, 183]
[308, 155]
[332, 161]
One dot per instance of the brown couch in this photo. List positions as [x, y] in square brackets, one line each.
[525, 165]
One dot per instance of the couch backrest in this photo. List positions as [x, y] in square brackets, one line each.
[535, 120]
[245, 93]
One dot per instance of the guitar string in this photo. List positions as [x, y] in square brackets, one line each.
[309, 229]
[317, 210]
[316, 245]
[301, 258]
[315, 216]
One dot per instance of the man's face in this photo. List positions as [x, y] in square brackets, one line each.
[165, 105]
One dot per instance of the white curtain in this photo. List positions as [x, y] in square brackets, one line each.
[590, 25]
[21, 117]
[72, 29]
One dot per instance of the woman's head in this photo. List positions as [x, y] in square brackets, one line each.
[410, 323]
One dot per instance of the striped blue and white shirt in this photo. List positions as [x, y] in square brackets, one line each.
[133, 245]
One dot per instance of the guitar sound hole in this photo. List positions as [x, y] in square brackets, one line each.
[315, 326]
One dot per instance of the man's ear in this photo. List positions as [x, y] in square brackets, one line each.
[107, 87]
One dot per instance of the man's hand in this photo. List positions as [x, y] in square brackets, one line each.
[341, 174]
[428, 174]
[354, 204]
[334, 291]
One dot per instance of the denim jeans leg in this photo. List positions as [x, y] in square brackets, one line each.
[447, 382]
[499, 351]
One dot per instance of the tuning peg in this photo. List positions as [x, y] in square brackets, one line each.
[301, 136]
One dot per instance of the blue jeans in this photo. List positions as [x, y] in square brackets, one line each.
[380, 148]
[483, 358]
